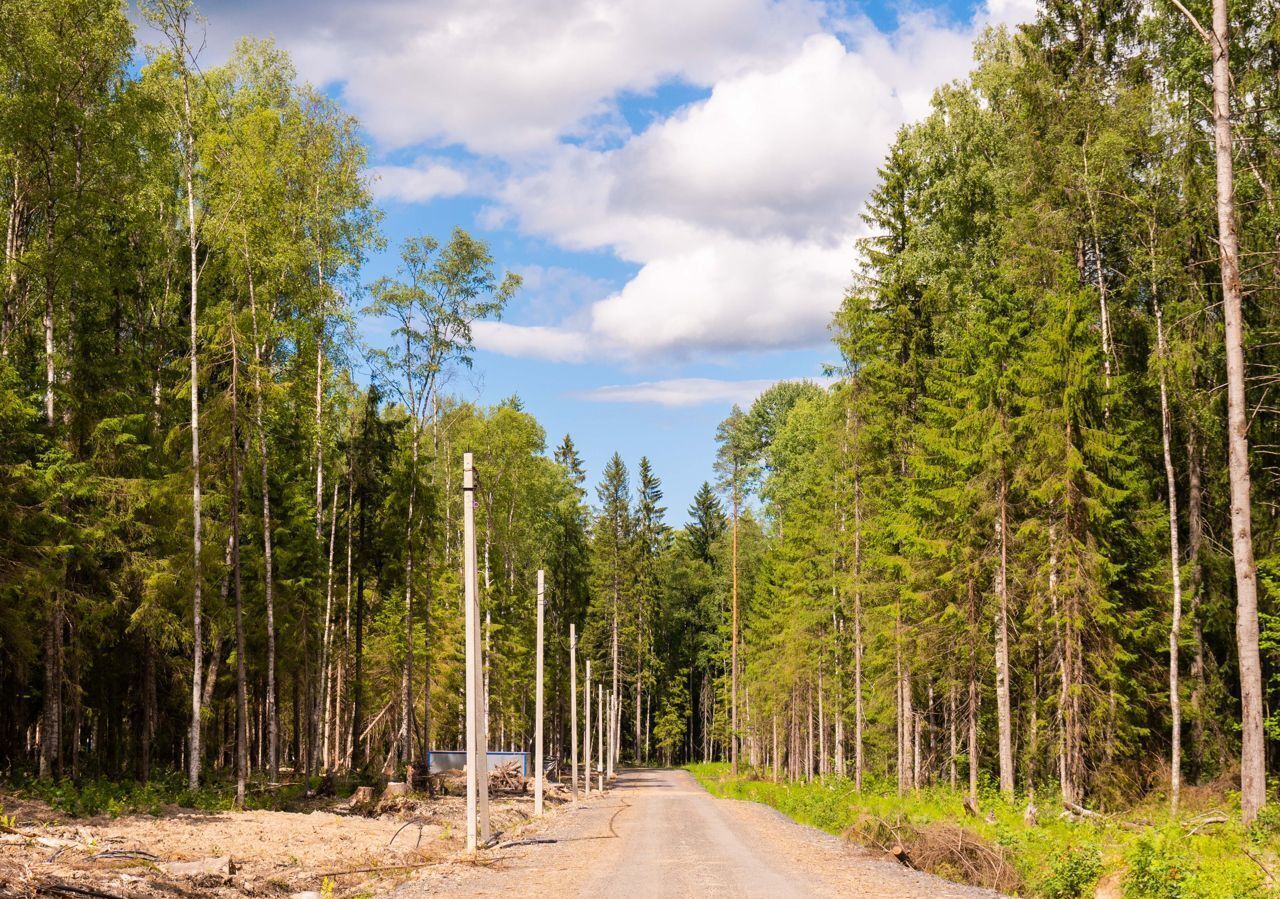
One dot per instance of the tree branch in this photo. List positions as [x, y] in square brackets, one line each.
[1195, 23]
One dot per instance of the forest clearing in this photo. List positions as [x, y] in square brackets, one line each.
[419, 491]
[320, 847]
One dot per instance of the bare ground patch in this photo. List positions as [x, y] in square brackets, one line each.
[266, 853]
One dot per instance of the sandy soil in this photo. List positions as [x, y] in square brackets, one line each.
[271, 853]
[654, 834]
[659, 834]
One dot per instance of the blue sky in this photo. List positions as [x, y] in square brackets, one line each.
[679, 183]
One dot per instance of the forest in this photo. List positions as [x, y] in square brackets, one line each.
[1022, 540]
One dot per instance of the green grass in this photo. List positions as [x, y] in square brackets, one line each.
[96, 796]
[1055, 858]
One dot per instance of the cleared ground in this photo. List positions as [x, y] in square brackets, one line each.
[654, 834]
[659, 834]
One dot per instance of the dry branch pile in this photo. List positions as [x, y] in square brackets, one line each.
[942, 849]
[506, 778]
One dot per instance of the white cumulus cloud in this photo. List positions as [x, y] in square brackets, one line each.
[424, 180]
[504, 76]
[742, 209]
[739, 211]
[678, 392]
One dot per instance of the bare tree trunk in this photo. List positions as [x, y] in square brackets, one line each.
[822, 726]
[573, 706]
[808, 746]
[406, 683]
[1195, 537]
[326, 645]
[951, 729]
[917, 721]
[342, 759]
[586, 729]
[1003, 704]
[268, 575]
[1253, 788]
[242, 710]
[776, 759]
[841, 768]
[148, 707]
[320, 416]
[1253, 772]
[12, 250]
[1100, 282]
[733, 639]
[197, 573]
[1175, 562]
[51, 714]
[902, 707]
[858, 715]
[50, 372]
[607, 758]
[911, 734]
[973, 692]
[639, 722]
[1064, 675]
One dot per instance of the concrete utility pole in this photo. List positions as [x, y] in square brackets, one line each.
[586, 730]
[477, 736]
[573, 704]
[600, 731]
[537, 705]
[613, 733]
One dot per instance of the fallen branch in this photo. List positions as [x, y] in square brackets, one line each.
[58, 888]
[1089, 815]
[125, 853]
[1254, 859]
[375, 720]
[377, 868]
[1207, 822]
[534, 841]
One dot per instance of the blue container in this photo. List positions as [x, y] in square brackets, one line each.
[441, 760]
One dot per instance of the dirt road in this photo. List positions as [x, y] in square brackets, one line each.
[659, 834]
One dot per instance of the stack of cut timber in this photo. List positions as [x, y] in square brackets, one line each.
[507, 778]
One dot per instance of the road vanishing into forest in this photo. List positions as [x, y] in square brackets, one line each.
[658, 833]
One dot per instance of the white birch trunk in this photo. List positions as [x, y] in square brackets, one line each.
[1003, 704]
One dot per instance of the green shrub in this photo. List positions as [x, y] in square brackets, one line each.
[1159, 867]
[1266, 825]
[1072, 873]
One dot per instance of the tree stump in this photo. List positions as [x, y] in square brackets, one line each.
[395, 790]
[362, 801]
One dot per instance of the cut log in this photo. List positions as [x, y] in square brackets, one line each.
[1080, 811]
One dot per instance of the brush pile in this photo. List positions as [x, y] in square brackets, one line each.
[942, 849]
[506, 778]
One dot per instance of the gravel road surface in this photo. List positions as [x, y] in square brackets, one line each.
[660, 834]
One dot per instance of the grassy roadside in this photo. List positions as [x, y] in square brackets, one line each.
[1053, 857]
